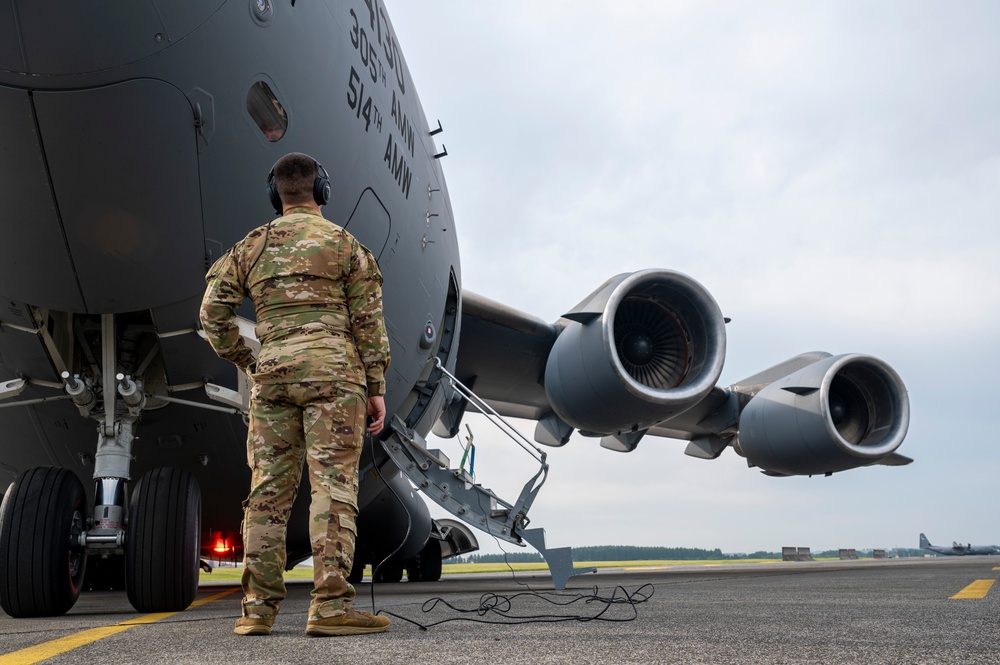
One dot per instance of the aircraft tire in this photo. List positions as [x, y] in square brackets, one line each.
[41, 569]
[357, 570]
[163, 541]
[389, 572]
[426, 566]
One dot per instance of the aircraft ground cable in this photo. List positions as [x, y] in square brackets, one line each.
[513, 573]
[501, 606]
[409, 520]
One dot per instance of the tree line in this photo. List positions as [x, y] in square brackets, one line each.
[639, 553]
[619, 553]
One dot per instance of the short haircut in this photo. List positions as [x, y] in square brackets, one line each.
[294, 175]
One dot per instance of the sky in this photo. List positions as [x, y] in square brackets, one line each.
[830, 171]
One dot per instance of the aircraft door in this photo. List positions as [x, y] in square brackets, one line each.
[124, 167]
[370, 223]
[35, 266]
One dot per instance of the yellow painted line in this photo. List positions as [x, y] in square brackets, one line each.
[977, 589]
[46, 650]
[996, 567]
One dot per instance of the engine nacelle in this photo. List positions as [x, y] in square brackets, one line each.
[642, 348]
[839, 413]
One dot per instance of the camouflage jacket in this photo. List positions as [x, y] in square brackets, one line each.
[317, 293]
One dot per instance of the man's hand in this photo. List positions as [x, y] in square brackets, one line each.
[376, 411]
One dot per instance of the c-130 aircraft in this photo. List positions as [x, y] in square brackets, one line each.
[136, 140]
[958, 549]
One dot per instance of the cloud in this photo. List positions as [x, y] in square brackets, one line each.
[827, 170]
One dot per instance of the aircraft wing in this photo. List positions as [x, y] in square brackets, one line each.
[642, 355]
[502, 356]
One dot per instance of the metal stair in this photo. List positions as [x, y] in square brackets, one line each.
[456, 491]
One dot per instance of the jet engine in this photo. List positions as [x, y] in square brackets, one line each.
[836, 414]
[642, 348]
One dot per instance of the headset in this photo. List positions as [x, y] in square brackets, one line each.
[321, 194]
[322, 189]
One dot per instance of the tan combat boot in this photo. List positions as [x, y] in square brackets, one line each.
[253, 625]
[352, 622]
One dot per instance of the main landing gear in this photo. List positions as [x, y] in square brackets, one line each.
[47, 534]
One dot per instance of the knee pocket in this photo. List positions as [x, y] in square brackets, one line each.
[348, 523]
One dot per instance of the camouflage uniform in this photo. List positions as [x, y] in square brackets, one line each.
[317, 293]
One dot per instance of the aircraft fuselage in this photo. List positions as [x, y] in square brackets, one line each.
[136, 148]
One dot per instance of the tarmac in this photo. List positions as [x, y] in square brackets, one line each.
[863, 611]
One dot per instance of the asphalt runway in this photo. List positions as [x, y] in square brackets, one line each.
[889, 611]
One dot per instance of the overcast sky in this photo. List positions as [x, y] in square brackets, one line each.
[830, 171]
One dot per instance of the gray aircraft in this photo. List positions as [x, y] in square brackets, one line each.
[957, 549]
[135, 144]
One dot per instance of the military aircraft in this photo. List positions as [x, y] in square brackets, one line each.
[136, 141]
[958, 549]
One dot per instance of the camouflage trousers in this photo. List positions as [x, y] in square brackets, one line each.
[325, 424]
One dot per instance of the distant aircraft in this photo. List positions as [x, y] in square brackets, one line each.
[958, 549]
[135, 146]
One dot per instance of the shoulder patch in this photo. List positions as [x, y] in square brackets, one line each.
[219, 265]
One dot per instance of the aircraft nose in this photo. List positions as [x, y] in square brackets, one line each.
[53, 37]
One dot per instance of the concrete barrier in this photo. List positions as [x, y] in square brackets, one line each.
[878, 554]
[796, 554]
[848, 553]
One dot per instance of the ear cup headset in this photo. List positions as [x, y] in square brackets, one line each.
[322, 189]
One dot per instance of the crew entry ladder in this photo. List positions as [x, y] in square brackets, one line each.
[456, 490]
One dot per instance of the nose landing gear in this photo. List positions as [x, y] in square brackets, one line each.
[47, 533]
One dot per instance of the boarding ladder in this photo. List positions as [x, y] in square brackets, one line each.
[456, 490]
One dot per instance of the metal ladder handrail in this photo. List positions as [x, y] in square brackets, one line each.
[464, 500]
[491, 415]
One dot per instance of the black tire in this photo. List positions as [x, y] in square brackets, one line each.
[357, 570]
[163, 541]
[426, 566]
[389, 572]
[41, 563]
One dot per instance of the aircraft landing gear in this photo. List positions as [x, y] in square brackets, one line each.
[426, 566]
[388, 572]
[41, 561]
[357, 570]
[163, 544]
[47, 531]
